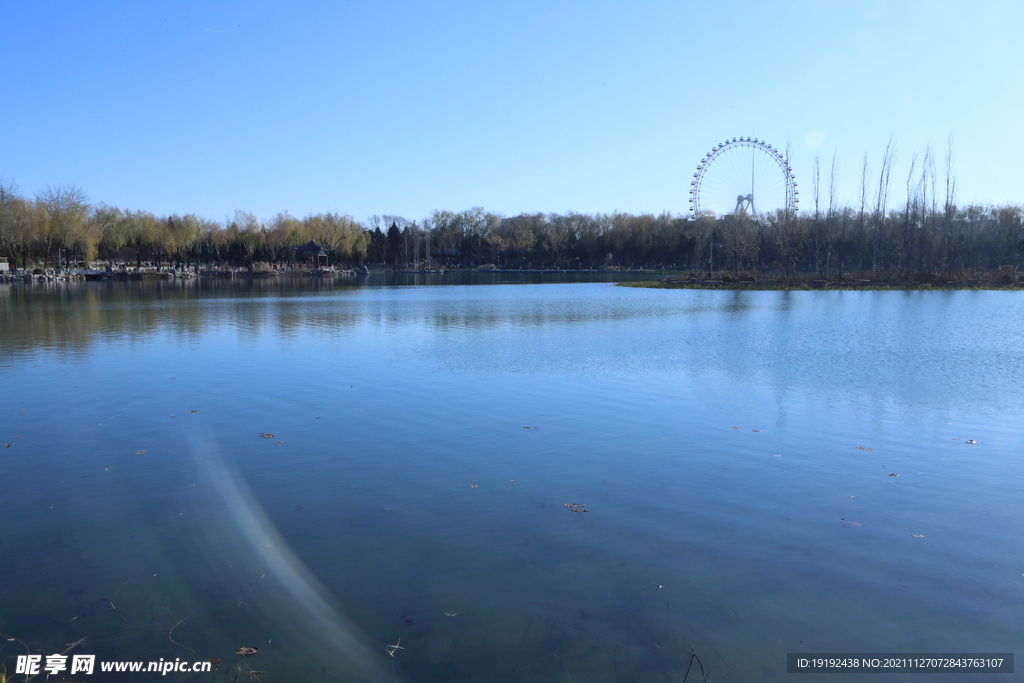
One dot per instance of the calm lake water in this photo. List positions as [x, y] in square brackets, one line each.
[322, 471]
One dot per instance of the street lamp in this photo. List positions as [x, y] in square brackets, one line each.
[713, 245]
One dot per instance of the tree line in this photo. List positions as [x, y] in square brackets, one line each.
[927, 237]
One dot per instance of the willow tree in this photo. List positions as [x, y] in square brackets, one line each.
[64, 210]
[181, 235]
[339, 233]
[15, 221]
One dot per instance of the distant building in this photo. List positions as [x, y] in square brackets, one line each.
[312, 254]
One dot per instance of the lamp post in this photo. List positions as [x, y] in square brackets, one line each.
[713, 245]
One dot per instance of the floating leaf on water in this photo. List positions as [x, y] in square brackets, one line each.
[247, 651]
[140, 452]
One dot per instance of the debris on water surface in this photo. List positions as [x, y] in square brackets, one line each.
[853, 496]
[737, 427]
[278, 443]
[8, 445]
[266, 435]
[193, 411]
[755, 430]
[917, 535]
[140, 452]
[215, 660]
[970, 441]
[474, 486]
[894, 475]
[449, 613]
[577, 507]
[247, 651]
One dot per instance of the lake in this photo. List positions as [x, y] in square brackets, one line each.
[490, 478]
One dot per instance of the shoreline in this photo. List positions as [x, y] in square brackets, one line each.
[850, 285]
[239, 272]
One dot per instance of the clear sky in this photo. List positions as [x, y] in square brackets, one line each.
[393, 107]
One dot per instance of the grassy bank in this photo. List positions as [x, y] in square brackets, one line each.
[779, 285]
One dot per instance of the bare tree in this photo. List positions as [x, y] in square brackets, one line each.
[861, 226]
[882, 203]
[816, 220]
[834, 239]
[952, 237]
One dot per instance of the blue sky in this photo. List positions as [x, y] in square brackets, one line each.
[406, 107]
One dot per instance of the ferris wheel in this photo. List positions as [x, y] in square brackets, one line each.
[743, 176]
